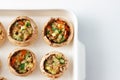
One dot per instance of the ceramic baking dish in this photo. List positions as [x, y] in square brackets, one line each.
[74, 51]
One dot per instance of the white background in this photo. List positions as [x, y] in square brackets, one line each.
[99, 30]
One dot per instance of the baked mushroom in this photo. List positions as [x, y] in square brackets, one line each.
[57, 32]
[22, 62]
[53, 64]
[2, 34]
[22, 31]
[2, 78]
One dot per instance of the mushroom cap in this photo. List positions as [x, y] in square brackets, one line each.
[2, 78]
[48, 74]
[63, 43]
[31, 39]
[13, 70]
[4, 34]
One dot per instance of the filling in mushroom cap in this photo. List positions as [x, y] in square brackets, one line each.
[21, 30]
[22, 61]
[57, 31]
[55, 64]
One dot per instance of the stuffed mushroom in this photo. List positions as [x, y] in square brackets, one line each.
[2, 34]
[53, 64]
[22, 31]
[57, 32]
[22, 62]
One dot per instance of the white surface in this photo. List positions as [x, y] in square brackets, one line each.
[99, 29]
[82, 61]
[40, 47]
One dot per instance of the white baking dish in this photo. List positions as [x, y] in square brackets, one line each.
[74, 51]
